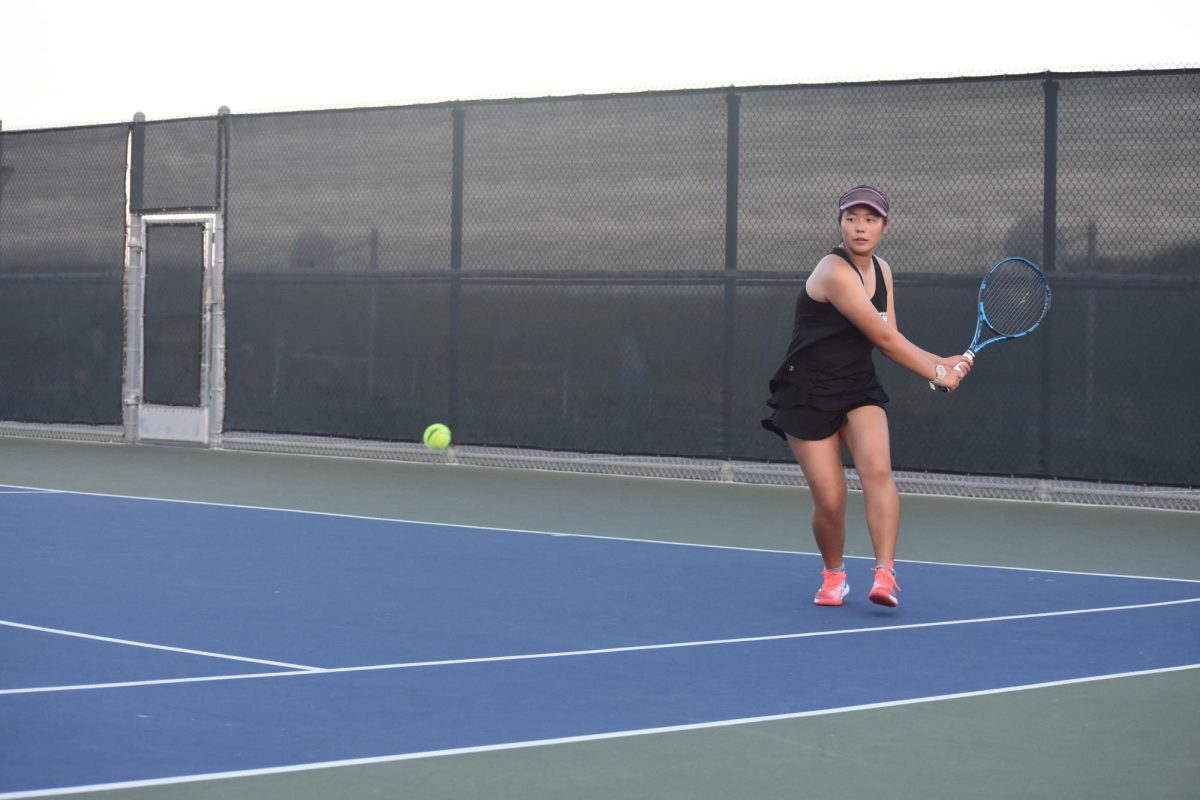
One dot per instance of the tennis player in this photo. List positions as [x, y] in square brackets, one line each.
[825, 394]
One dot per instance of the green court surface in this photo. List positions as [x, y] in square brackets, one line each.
[1112, 738]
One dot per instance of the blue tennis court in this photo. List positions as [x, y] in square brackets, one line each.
[145, 642]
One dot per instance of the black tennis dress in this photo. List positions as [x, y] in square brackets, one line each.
[828, 370]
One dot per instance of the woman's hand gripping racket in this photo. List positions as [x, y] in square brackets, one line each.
[1014, 298]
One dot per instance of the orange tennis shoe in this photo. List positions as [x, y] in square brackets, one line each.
[885, 589]
[833, 588]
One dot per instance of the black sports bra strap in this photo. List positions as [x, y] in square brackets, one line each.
[841, 253]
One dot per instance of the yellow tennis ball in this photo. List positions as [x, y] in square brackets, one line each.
[437, 436]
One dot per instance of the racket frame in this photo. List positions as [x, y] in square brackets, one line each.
[981, 317]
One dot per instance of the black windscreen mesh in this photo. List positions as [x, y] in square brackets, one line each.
[62, 219]
[1128, 172]
[562, 366]
[617, 274]
[362, 356]
[172, 324]
[328, 213]
[961, 162]
[624, 183]
[592, 313]
[179, 165]
[340, 191]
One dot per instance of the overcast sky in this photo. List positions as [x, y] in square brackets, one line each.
[75, 62]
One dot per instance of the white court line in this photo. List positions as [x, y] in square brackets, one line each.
[131, 643]
[351, 762]
[600, 537]
[594, 652]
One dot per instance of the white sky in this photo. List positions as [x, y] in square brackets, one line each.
[88, 61]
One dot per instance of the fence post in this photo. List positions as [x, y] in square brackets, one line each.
[733, 106]
[134, 279]
[1049, 260]
[222, 145]
[4, 173]
[456, 189]
[137, 162]
[220, 379]
[1050, 179]
[458, 117]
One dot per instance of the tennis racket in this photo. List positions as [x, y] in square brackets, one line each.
[1014, 298]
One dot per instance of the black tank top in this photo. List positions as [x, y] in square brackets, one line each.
[828, 362]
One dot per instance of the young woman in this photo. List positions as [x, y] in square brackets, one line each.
[826, 393]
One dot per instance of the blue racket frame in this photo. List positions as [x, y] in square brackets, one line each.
[982, 318]
[976, 345]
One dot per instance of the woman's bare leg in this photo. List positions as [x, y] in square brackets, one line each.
[866, 436]
[821, 462]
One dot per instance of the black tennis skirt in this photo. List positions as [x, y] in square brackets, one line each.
[816, 418]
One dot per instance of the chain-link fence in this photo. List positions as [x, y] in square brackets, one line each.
[62, 233]
[616, 274]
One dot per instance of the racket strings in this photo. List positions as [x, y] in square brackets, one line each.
[1015, 298]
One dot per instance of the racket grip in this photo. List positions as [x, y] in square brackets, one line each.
[969, 356]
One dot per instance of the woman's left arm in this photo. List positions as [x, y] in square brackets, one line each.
[948, 363]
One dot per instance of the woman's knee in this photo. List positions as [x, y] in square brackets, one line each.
[874, 472]
[829, 500]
